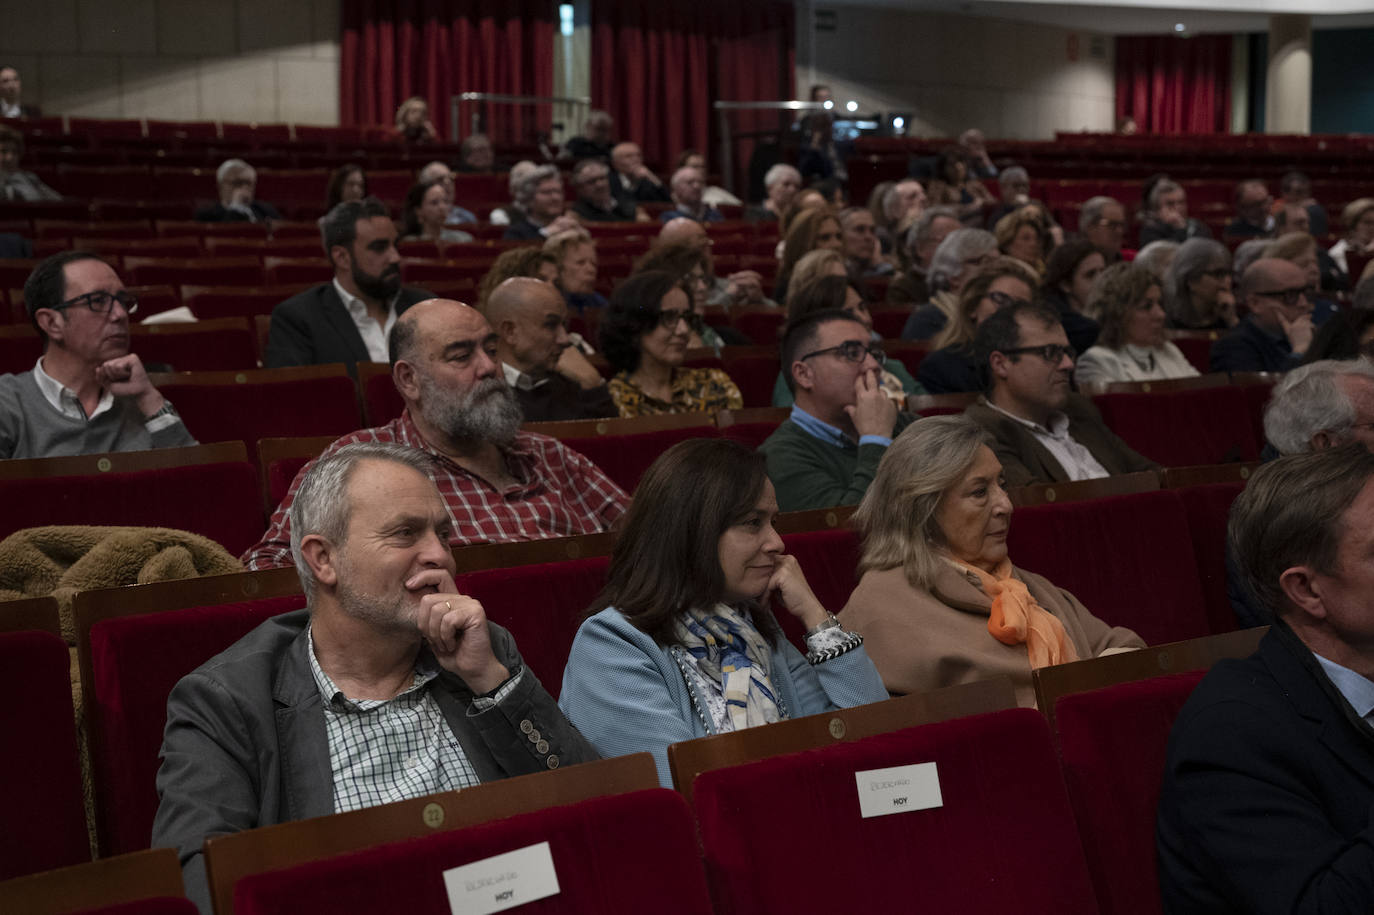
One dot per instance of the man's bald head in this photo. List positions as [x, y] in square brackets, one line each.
[684, 231]
[518, 297]
[529, 317]
[428, 321]
[1268, 273]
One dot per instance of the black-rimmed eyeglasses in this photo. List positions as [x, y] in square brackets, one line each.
[1053, 353]
[852, 351]
[101, 301]
[668, 320]
[1290, 297]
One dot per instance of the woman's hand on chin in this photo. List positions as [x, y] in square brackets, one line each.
[788, 585]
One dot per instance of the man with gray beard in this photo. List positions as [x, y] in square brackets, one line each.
[499, 483]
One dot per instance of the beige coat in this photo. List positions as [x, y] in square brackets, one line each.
[924, 640]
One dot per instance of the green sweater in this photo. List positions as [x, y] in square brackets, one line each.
[810, 473]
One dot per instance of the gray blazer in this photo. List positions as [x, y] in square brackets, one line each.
[246, 746]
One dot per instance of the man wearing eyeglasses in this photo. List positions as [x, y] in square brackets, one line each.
[87, 394]
[1043, 432]
[827, 452]
[596, 202]
[1278, 330]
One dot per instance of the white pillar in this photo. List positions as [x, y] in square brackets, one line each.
[1288, 83]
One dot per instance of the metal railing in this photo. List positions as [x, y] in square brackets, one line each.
[566, 113]
[729, 137]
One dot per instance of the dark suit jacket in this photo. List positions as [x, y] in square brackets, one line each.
[623, 211]
[1247, 348]
[314, 328]
[1268, 791]
[246, 744]
[1025, 460]
[220, 213]
[643, 191]
[561, 398]
[523, 230]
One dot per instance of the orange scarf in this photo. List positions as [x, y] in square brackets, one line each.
[1016, 618]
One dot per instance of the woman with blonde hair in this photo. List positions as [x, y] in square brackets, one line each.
[1022, 234]
[810, 229]
[1300, 250]
[413, 125]
[952, 367]
[939, 602]
[1131, 345]
[575, 253]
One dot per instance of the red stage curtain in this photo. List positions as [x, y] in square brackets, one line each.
[437, 48]
[1175, 85]
[657, 67]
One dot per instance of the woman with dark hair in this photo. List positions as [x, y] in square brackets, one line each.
[645, 335]
[1132, 346]
[525, 260]
[692, 268]
[1068, 283]
[348, 182]
[953, 367]
[426, 208]
[1346, 335]
[809, 230]
[1197, 287]
[687, 644]
[954, 185]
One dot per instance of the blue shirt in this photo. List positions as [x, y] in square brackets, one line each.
[830, 434]
[1357, 689]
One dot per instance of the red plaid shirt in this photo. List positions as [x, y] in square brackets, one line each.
[560, 493]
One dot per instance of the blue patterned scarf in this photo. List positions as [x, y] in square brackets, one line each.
[731, 653]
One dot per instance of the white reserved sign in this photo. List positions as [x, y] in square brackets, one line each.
[898, 789]
[502, 882]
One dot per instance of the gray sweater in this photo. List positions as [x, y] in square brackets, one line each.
[30, 427]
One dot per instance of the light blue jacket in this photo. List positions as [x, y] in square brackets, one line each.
[627, 694]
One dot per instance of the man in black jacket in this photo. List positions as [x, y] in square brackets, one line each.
[238, 184]
[348, 319]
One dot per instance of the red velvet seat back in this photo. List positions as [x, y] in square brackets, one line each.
[750, 435]
[828, 559]
[624, 853]
[221, 501]
[135, 662]
[624, 458]
[196, 350]
[1209, 508]
[542, 605]
[44, 817]
[381, 401]
[1113, 742]
[761, 326]
[754, 376]
[785, 835]
[1183, 428]
[1129, 559]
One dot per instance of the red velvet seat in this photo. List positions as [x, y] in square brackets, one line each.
[1196, 347]
[761, 325]
[203, 271]
[214, 345]
[909, 354]
[295, 271]
[1129, 559]
[889, 322]
[829, 559]
[1185, 427]
[1113, 743]
[624, 458]
[19, 344]
[44, 816]
[754, 371]
[631, 852]
[1208, 508]
[64, 228]
[209, 302]
[139, 247]
[381, 401]
[143, 883]
[1002, 839]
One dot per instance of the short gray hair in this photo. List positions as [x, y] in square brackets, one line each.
[321, 504]
[1310, 399]
[960, 245]
[1194, 256]
[896, 518]
[1091, 212]
[924, 227]
[1161, 187]
[1156, 257]
[229, 166]
[1246, 253]
[778, 172]
[1015, 173]
[518, 173]
[523, 190]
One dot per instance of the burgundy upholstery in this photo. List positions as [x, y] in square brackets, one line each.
[754, 376]
[761, 326]
[209, 271]
[281, 473]
[828, 559]
[1183, 428]
[784, 834]
[624, 458]
[1208, 509]
[889, 322]
[1113, 742]
[1129, 559]
[135, 662]
[750, 435]
[623, 853]
[207, 302]
[44, 818]
[1256, 399]
[1197, 350]
[381, 401]
[195, 349]
[542, 605]
[161, 905]
[221, 501]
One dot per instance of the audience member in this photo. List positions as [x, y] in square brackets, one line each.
[1252, 212]
[781, 183]
[1158, 255]
[690, 266]
[574, 251]
[1069, 276]
[1102, 221]
[939, 602]
[644, 336]
[1166, 215]
[1300, 249]
[687, 644]
[598, 134]
[1347, 335]
[1358, 221]
[1269, 778]
[955, 261]
[687, 185]
[1246, 253]
[551, 378]
[539, 197]
[1021, 234]
[1197, 287]
[743, 287]
[711, 195]
[347, 183]
[1322, 405]
[11, 90]
[861, 248]
[591, 179]
[975, 147]
[1363, 297]
[238, 182]
[833, 191]
[955, 186]
[632, 178]
[15, 183]
[1127, 126]
[1295, 189]
[810, 229]
[899, 208]
[500, 483]
[525, 260]
[954, 366]
[350, 318]
[816, 265]
[1013, 186]
[413, 126]
[1132, 345]
[438, 171]
[86, 393]
[842, 421]
[1276, 333]
[1042, 432]
[424, 213]
[476, 155]
[911, 286]
[820, 157]
[390, 684]
[512, 212]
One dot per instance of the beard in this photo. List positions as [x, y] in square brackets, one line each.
[486, 412]
[381, 287]
[393, 614]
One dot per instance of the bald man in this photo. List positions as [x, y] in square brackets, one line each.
[743, 287]
[1278, 330]
[500, 483]
[631, 179]
[687, 186]
[551, 378]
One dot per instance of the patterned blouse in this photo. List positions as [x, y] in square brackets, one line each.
[702, 390]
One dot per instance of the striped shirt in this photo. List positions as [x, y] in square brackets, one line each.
[558, 493]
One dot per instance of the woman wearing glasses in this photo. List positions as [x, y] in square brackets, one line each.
[1197, 288]
[645, 336]
[682, 642]
[939, 602]
[1131, 346]
[953, 367]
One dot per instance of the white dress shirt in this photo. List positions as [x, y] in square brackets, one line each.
[1078, 462]
[374, 335]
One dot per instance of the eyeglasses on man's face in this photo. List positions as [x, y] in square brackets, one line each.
[1053, 353]
[852, 351]
[101, 301]
[1291, 297]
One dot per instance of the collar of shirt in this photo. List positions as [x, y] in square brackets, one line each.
[11, 111]
[1058, 426]
[521, 381]
[521, 457]
[829, 434]
[1357, 689]
[1143, 356]
[63, 399]
[425, 670]
[357, 308]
